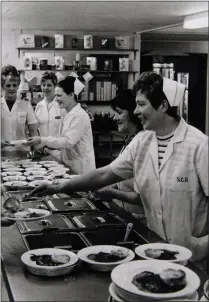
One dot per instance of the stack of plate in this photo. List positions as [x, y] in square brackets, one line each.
[46, 270]
[122, 288]
[104, 266]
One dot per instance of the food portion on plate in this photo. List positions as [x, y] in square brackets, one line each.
[12, 173]
[16, 183]
[39, 173]
[161, 254]
[167, 281]
[38, 177]
[50, 260]
[37, 183]
[164, 251]
[29, 214]
[13, 169]
[112, 256]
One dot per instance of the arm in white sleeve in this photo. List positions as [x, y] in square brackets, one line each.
[70, 137]
[202, 166]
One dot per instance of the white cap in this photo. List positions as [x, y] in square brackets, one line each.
[174, 91]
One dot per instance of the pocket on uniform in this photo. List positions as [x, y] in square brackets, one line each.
[22, 117]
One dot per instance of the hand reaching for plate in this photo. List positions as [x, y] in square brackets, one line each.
[33, 141]
[44, 189]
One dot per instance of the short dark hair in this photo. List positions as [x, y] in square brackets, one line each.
[151, 84]
[125, 100]
[8, 70]
[67, 84]
[49, 75]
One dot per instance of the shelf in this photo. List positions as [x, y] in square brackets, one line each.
[75, 49]
[82, 71]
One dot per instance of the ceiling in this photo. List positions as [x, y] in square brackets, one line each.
[95, 16]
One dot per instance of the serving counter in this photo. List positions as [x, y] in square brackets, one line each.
[82, 284]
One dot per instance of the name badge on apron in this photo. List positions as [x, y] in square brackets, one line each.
[57, 117]
[22, 117]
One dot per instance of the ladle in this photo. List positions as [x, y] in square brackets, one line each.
[128, 230]
[12, 204]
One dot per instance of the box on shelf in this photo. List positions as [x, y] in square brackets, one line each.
[122, 42]
[59, 41]
[88, 41]
[123, 64]
[27, 40]
[92, 62]
[104, 43]
[27, 63]
[44, 42]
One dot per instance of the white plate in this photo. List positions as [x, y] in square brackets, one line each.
[38, 177]
[32, 165]
[39, 173]
[43, 214]
[37, 183]
[35, 169]
[15, 173]
[104, 266]
[59, 169]
[14, 178]
[16, 184]
[123, 275]
[19, 142]
[23, 161]
[182, 257]
[48, 165]
[13, 169]
[43, 162]
[58, 270]
[113, 293]
[9, 165]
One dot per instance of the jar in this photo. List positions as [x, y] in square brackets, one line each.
[165, 71]
[171, 71]
[43, 64]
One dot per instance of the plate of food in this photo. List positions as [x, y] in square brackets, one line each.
[32, 165]
[37, 183]
[18, 183]
[164, 251]
[38, 177]
[154, 279]
[14, 178]
[13, 169]
[43, 162]
[56, 165]
[50, 261]
[105, 257]
[38, 173]
[12, 173]
[9, 165]
[38, 169]
[27, 215]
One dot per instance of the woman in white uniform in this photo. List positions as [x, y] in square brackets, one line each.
[48, 112]
[169, 164]
[75, 141]
[16, 115]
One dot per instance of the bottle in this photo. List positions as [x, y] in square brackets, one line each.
[76, 63]
[171, 71]
[156, 67]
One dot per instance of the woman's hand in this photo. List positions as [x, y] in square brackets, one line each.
[44, 189]
[33, 141]
[106, 194]
[5, 143]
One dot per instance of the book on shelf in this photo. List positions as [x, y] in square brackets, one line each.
[27, 62]
[59, 62]
[27, 40]
[122, 42]
[88, 41]
[59, 41]
[123, 64]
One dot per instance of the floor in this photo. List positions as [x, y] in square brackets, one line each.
[4, 296]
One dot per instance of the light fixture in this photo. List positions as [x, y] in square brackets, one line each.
[198, 20]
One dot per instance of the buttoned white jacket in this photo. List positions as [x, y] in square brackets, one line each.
[175, 197]
[75, 142]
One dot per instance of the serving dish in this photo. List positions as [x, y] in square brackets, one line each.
[13, 169]
[37, 183]
[16, 184]
[46, 270]
[12, 173]
[38, 173]
[126, 256]
[31, 169]
[43, 162]
[38, 177]
[123, 275]
[182, 254]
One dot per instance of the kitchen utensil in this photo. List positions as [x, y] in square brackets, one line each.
[12, 204]
[128, 230]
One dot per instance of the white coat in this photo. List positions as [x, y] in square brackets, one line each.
[175, 197]
[75, 142]
[14, 123]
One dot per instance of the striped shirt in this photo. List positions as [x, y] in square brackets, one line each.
[163, 142]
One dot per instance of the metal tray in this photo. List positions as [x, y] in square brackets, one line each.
[70, 204]
[96, 220]
[40, 204]
[53, 222]
[68, 240]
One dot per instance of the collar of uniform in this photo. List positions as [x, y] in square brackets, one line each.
[51, 104]
[180, 131]
[3, 101]
[75, 109]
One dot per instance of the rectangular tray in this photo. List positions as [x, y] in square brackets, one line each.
[96, 220]
[70, 204]
[54, 222]
[69, 241]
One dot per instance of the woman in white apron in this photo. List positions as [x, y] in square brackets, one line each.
[75, 141]
[169, 164]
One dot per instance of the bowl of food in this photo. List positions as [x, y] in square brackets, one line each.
[50, 261]
[14, 178]
[37, 183]
[164, 251]
[12, 173]
[105, 257]
[154, 279]
[206, 291]
[37, 173]
[31, 169]
[17, 184]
